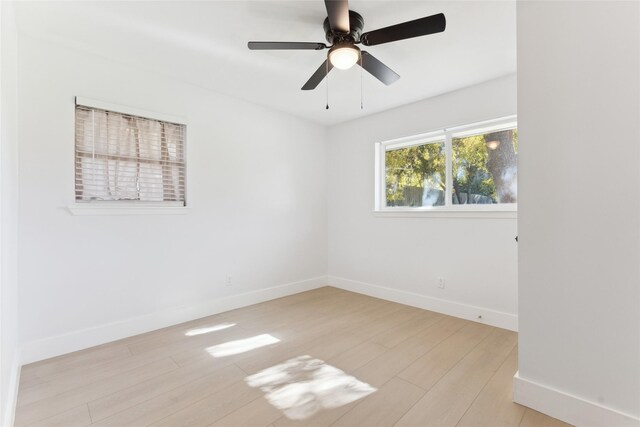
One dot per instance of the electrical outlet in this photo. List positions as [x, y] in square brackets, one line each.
[227, 280]
[441, 282]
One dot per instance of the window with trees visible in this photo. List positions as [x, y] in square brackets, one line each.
[463, 168]
[122, 157]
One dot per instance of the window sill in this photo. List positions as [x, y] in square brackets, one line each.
[90, 209]
[464, 214]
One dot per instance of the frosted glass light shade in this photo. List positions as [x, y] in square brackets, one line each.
[344, 57]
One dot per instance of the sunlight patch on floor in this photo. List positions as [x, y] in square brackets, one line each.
[200, 331]
[240, 346]
[303, 386]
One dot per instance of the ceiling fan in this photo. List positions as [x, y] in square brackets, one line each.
[343, 31]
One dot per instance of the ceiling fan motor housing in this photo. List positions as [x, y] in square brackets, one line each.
[356, 24]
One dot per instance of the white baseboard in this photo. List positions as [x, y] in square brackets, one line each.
[465, 311]
[77, 340]
[11, 398]
[566, 407]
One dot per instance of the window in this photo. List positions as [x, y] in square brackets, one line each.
[485, 169]
[465, 168]
[415, 176]
[123, 157]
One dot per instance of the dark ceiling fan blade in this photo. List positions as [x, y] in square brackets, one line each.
[286, 46]
[377, 69]
[416, 28]
[318, 76]
[338, 12]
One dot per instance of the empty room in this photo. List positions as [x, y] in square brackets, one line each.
[320, 213]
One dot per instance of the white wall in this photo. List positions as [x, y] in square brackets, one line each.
[256, 179]
[9, 356]
[476, 256]
[579, 218]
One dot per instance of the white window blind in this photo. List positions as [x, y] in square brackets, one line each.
[121, 157]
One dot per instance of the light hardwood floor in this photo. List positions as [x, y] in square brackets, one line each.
[353, 360]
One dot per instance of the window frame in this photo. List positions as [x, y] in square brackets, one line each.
[498, 210]
[132, 207]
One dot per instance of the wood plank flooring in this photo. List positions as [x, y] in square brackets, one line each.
[326, 357]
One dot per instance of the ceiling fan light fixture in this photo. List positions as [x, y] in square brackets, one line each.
[344, 56]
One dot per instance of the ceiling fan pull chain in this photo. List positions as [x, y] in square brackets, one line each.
[327, 76]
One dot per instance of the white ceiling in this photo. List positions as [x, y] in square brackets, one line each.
[205, 43]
